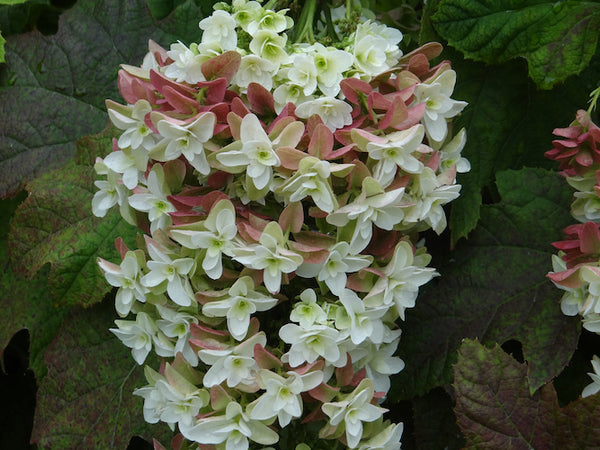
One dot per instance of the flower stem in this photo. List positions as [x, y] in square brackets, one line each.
[594, 99]
[305, 25]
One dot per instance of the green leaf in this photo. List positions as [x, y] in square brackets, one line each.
[496, 289]
[2, 42]
[11, 2]
[86, 400]
[496, 409]
[493, 406]
[24, 303]
[54, 87]
[55, 225]
[509, 125]
[558, 39]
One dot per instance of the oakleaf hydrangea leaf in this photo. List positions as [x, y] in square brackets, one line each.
[558, 39]
[509, 125]
[495, 406]
[52, 89]
[24, 302]
[55, 225]
[86, 400]
[496, 289]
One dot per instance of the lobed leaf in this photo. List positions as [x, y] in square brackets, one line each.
[24, 302]
[558, 39]
[52, 89]
[495, 407]
[55, 225]
[86, 400]
[509, 125]
[496, 289]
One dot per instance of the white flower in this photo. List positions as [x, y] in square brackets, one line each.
[187, 139]
[398, 151]
[173, 400]
[331, 63]
[404, 276]
[353, 410]
[439, 107]
[110, 192]
[307, 312]
[127, 277]
[129, 162]
[174, 272]
[282, 397]
[269, 20]
[270, 255]
[154, 200]
[176, 325]
[215, 234]
[362, 323]
[594, 387]
[130, 119]
[388, 439]
[254, 69]
[450, 153]
[138, 335]
[308, 344]
[270, 46]
[247, 14]
[311, 179]
[379, 362]
[234, 428]
[303, 72]
[372, 206]
[376, 47]
[186, 65]
[234, 364]
[242, 301]
[256, 154]
[220, 27]
[428, 194]
[289, 92]
[335, 113]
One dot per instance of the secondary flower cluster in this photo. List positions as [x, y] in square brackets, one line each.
[281, 182]
[576, 268]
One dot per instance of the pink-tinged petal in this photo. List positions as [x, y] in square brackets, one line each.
[321, 142]
[160, 54]
[265, 359]
[225, 66]
[310, 254]
[324, 393]
[290, 157]
[590, 238]
[395, 115]
[219, 398]
[216, 89]
[344, 375]
[568, 278]
[235, 124]
[260, 99]
[292, 217]
[159, 81]
[415, 114]
[181, 103]
[353, 88]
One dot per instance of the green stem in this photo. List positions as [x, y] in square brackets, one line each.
[594, 99]
[305, 23]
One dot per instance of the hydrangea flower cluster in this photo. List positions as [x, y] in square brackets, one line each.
[281, 188]
[576, 268]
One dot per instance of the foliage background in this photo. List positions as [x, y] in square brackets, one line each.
[525, 67]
